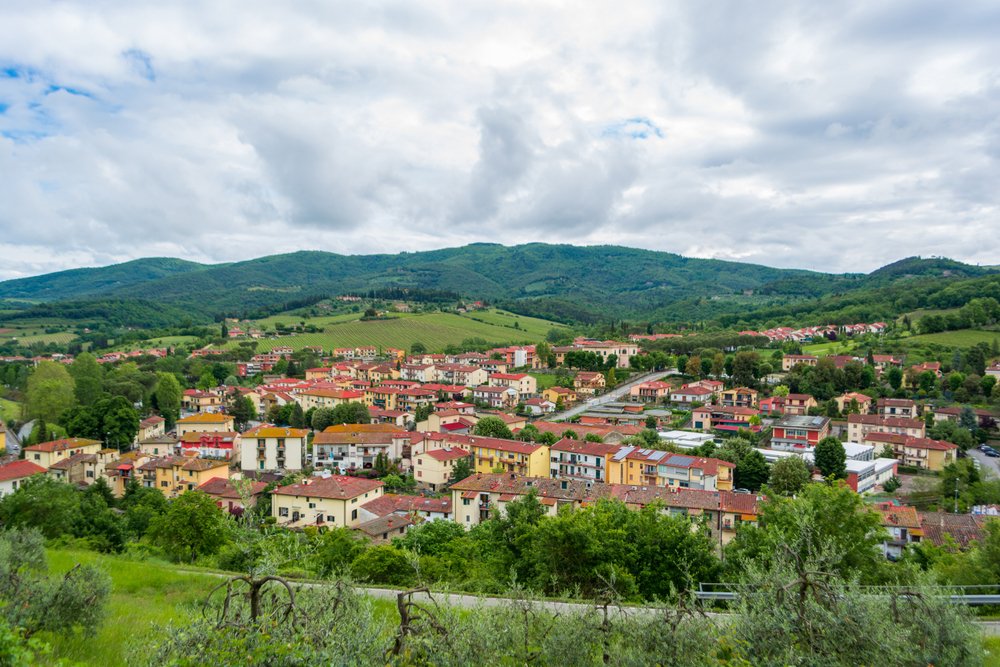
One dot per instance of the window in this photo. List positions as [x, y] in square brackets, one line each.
[466, 501]
[312, 506]
[282, 511]
[163, 484]
[420, 462]
[354, 515]
[330, 518]
[38, 457]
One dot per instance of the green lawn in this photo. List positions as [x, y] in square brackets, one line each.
[146, 598]
[435, 330]
[58, 338]
[9, 410]
[959, 338]
[545, 380]
[829, 348]
[164, 341]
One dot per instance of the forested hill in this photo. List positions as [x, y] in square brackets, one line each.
[563, 282]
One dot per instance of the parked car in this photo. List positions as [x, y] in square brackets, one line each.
[993, 454]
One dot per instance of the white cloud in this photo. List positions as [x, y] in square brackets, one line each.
[838, 136]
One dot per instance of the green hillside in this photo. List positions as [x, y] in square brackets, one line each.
[558, 282]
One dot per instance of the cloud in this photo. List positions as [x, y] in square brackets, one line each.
[836, 136]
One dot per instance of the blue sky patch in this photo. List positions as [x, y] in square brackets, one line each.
[636, 127]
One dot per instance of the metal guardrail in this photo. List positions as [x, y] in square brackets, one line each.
[970, 599]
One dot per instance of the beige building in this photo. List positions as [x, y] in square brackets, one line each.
[273, 448]
[46, 454]
[208, 422]
[164, 445]
[173, 475]
[432, 469]
[526, 385]
[333, 501]
[859, 426]
[151, 427]
[328, 398]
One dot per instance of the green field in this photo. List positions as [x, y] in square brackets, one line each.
[545, 380]
[435, 330]
[959, 338]
[165, 341]
[58, 338]
[829, 348]
[294, 320]
[9, 410]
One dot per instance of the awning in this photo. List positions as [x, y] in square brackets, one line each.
[125, 466]
[748, 517]
[469, 495]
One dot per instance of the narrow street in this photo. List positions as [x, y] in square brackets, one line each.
[610, 396]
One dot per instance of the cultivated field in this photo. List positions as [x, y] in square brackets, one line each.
[959, 338]
[435, 331]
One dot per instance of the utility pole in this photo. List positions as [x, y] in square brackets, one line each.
[956, 496]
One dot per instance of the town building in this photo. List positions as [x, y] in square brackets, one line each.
[272, 448]
[323, 500]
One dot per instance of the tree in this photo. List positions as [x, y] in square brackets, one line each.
[718, 365]
[384, 564]
[88, 378]
[610, 379]
[745, 369]
[242, 411]
[831, 458]
[751, 471]
[461, 470]
[967, 419]
[789, 476]
[51, 391]
[119, 421]
[206, 381]
[492, 427]
[168, 398]
[45, 504]
[296, 417]
[892, 484]
[321, 418]
[351, 412]
[592, 437]
[895, 377]
[418, 348]
[693, 366]
[193, 526]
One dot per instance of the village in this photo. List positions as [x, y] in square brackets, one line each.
[469, 433]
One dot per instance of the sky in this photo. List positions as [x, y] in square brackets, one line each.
[836, 136]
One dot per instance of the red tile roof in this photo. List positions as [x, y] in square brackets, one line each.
[339, 487]
[61, 445]
[19, 469]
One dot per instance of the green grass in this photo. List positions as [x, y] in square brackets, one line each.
[9, 410]
[991, 645]
[164, 341]
[435, 330]
[959, 338]
[545, 380]
[829, 348]
[146, 598]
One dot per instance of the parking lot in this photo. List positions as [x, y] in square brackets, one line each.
[986, 463]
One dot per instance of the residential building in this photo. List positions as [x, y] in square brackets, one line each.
[496, 397]
[581, 460]
[799, 433]
[324, 500]
[82, 469]
[896, 407]
[462, 374]
[954, 413]
[790, 361]
[419, 507]
[799, 404]
[164, 445]
[232, 497]
[917, 452]
[944, 528]
[384, 529]
[650, 392]
[195, 400]
[623, 352]
[723, 418]
[418, 372]
[356, 446]
[859, 426]
[904, 528]
[210, 422]
[555, 393]
[537, 407]
[689, 394]
[173, 475]
[862, 401]
[328, 398]
[692, 472]
[46, 454]
[475, 497]
[589, 383]
[771, 406]
[151, 427]
[432, 468]
[210, 445]
[868, 476]
[14, 473]
[268, 447]
[525, 385]
[739, 397]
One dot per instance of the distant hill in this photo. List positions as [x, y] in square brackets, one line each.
[77, 283]
[562, 282]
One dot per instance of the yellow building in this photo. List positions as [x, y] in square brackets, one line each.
[555, 393]
[382, 397]
[333, 501]
[173, 475]
[916, 452]
[206, 422]
[327, 398]
[432, 468]
[46, 454]
[473, 499]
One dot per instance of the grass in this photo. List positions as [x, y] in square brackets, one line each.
[9, 410]
[959, 338]
[434, 330]
[991, 646]
[46, 338]
[146, 599]
[829, 348]
[164, 341]
[545, 380]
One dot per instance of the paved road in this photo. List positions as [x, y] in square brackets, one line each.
[985, 462]
[611, 396]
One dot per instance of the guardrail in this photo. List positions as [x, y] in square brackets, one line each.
[972, 599]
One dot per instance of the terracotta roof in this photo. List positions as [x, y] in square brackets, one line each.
[575, 490]
[907, 441]
[338, 487]
[669, 496]
[74, 460]
[151, 421]
[963, 528]
[877, 420]
[391, 502]
[499, 444]
[363, 428]
[197, 436]
[585, 447]
[61, 445]
[19, 469]
[451, 454]
[899, 515]
[222, 487]
[345, 394]
[205, 418]
[390, 523]
[269, 431]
